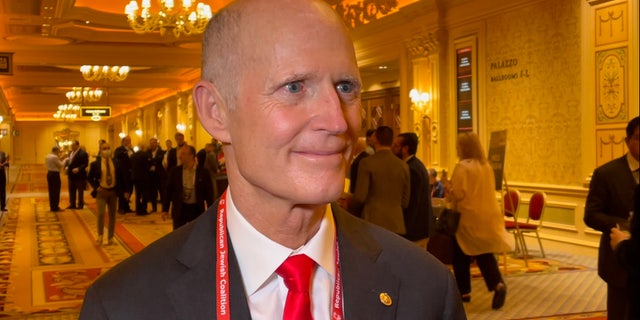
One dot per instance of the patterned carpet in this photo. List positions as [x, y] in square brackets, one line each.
[47, 260]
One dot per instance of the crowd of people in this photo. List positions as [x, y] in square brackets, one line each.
[153, 175]
[288, 127]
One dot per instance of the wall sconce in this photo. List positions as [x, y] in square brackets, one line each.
[181, 127]
[122, 135]
[421, 102]
[139, 132]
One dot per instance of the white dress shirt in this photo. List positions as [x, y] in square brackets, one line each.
[259, 257]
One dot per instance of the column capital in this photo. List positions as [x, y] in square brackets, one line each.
[597, 2]
[422, 45]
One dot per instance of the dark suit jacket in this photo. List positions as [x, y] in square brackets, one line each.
[609, 202]
[81, 161]
[140, 166]
[174, 190]
[174, 277]
[95, 172]
[353, 171]
[122, 162]
[157, 163]
[383, 190]
[419, 214]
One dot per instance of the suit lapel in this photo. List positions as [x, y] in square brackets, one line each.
[196, 286]
[363, 291]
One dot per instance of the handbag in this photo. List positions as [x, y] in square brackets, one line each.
[447, 222]
[440, 245]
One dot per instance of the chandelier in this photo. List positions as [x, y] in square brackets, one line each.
[185, 19]
[67, 112]
[82, 94]
[111, 73]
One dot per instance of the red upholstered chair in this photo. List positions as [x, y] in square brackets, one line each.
[537, 204]
[511, 203]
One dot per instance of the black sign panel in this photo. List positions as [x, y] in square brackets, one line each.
[464, 89]
[95, 112]
[497, 150]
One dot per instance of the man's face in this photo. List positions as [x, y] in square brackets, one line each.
[396, 147]
[127, 142]
[153, 144]
[180, 140]
[298, 110]
[169, 144]
[633, 143]
[186, 158]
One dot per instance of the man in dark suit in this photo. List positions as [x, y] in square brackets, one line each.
[360, 151]
[140, 178]
[287, 122]
[122, 160]
[156, 173]
[4, 164]
[77, 164]
[418, 215]
[384, 187]
[189, 189]
[609, 202]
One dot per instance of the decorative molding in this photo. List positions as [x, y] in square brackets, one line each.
[597, 2]
[611, 24]
[363, 12]
[609, 145]
[611, 86]
[421, 46]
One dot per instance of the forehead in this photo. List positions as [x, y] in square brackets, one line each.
[292, 30]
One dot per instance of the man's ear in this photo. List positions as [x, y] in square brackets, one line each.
[212, 110]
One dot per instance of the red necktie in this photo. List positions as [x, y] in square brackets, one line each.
[296, 272]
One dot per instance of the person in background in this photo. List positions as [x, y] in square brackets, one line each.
[4, 164]
[188, 189]
[437, 189]
[76, 167]
[370, 150]
[140, 178]
[481, 232]
[122, 160]
[609, 204]
[418, 215]
[156, 173]
[54, 166]
[106, 187]
[360, 151]
[384, 187]
[287, 119]
[626, 247]
[171, 155]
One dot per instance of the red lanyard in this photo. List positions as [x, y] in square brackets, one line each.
[222, 275]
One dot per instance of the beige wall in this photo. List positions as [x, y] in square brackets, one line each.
[35, 139]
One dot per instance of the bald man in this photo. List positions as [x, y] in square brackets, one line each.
[281, 91]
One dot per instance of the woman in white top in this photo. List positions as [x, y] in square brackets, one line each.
[481, 231]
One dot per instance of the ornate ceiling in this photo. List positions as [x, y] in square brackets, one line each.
[50, 40]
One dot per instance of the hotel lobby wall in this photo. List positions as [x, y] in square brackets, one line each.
[535, 78]
[36, 138]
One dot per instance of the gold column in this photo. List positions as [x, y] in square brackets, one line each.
[423, 50]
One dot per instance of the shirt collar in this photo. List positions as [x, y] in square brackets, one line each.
[259, 256]
[633, 163]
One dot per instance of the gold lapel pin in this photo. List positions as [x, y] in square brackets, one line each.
[385, 299]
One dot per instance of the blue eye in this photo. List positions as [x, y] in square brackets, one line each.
[345, 87]
[294, 87]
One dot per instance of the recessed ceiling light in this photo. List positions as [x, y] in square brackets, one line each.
[382, 67]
